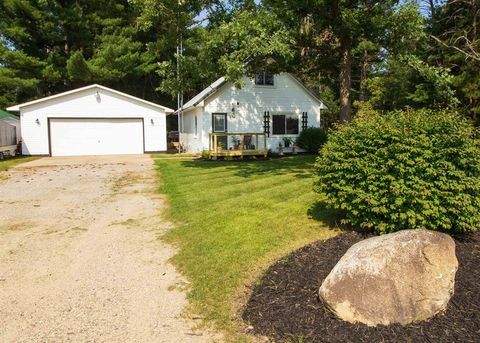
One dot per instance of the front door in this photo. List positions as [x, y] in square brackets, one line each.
[219, 125]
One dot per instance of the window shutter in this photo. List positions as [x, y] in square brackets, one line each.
[266, 123]
[304, 120]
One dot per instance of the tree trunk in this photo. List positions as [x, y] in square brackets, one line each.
[474, 23]
[363, 76]
[431, 4]
[345, 80]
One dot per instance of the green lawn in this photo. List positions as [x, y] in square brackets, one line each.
[8, 163]
[173, 155]
[233, 219]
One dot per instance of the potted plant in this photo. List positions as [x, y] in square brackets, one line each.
[287, 141]
[236, 142]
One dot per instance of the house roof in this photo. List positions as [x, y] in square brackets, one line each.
[207, 92]
[6, 115]
[18, 107]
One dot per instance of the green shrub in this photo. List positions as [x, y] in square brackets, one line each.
[312, 139]
[404, 170]
[205, 154]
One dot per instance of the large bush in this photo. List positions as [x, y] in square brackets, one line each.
[312, 139]
[404, 170]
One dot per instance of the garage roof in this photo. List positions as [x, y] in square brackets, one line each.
[18, 107]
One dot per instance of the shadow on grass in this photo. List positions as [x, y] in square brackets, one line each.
[298, 166]
[330, 217]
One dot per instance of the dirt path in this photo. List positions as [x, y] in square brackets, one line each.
[79, 256]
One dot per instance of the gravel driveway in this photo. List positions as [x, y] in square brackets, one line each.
[80, 259]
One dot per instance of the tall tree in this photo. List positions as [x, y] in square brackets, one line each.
[456, 45]
[343, 37]
[69, 43]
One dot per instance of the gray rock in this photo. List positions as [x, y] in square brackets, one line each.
[402, 277]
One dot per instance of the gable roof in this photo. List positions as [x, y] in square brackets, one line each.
[6, 115]
[210, 90]
[18, 107]
[205, 93]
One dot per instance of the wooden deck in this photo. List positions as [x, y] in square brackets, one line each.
[237, 144]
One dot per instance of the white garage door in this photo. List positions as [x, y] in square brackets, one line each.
[81, 136]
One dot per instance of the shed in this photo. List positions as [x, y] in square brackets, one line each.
[13, 120]
[92, 120]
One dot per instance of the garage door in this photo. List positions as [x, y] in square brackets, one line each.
[81, 136]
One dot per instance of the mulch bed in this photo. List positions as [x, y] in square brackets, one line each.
[285, 305]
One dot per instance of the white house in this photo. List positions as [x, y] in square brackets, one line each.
[92, 120]
[277, 105]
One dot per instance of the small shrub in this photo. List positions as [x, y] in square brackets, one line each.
[272, 153]
[312, 139]
[205, 154]
[404, 170]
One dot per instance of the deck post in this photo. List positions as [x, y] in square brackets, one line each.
[265, 144]
[241, 145]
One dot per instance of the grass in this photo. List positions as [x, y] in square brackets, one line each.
[8, 163]
[173, 155]
[233, 220]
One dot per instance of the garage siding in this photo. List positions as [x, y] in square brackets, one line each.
[86, 104]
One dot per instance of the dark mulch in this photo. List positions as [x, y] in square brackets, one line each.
[285, 304]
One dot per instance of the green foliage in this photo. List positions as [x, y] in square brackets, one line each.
[287, 141]
[455, 44]
[19, 75]
[312, 139]
[50, 46]
[205, 154]
[404, 170]
[362, 34]
[439, 78]
[408, 81]
[77, 68]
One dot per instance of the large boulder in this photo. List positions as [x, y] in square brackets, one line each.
[402, 277]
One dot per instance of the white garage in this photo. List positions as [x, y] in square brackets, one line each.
[92, 120]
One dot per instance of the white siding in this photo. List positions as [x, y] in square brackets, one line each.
[85, 104]
[192, 141]
[285, 96]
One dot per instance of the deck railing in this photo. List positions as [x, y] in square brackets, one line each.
[237, 144]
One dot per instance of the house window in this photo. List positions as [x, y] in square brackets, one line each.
[264, 79]
[219, 122]
[285, 124]
[196, 126]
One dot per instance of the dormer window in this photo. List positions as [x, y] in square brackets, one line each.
[264, 79]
